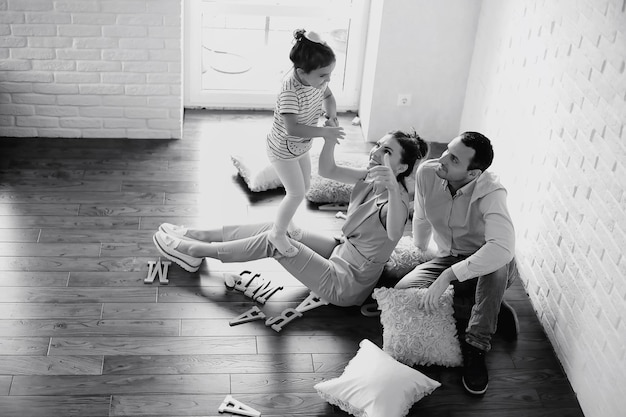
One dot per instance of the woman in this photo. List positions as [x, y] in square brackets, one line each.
[341, 271]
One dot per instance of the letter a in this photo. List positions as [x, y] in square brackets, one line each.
[157, 268]
[251, 315]
[233, 406]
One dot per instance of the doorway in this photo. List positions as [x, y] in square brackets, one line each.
[237, 51]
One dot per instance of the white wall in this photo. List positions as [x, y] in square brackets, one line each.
[548, 86]
[91, 68]
[423, 48]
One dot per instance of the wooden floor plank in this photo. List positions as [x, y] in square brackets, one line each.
[200, 310]
[284, 382]
[303, 404]
[60, 405]
[56, 174]
[38, 209]
[65, 263]
[139, 210]
[81, 327]
[33, 279]
[306, 325]
[50, 310]
[19, 235]
[51, 365]
[177, 277]
[36, 346]
[82, 197]
[96, 222]
[120, 384]
[207, 364]
[49, 249]
[52, 184]
[130, 234]
[77, 295]
[307, 344]
[134, 345]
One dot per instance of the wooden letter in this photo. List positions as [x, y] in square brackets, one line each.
[285, 317]
[265, 291]
[233, 406]
[311, 302]
[241, 286]
[251, 315]
[259, 293]
[157, 268]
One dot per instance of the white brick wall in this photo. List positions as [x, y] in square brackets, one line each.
[91, 68]
[548, 86]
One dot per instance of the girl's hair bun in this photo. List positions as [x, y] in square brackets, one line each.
[298, 34]
[309, 52]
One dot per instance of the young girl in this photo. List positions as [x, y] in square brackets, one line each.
[298, 108]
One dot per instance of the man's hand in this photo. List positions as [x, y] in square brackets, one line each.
[430, 301]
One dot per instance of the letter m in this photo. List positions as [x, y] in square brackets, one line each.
[157, 268]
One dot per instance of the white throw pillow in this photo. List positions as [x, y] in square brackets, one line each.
[412, 336]
[256, 171]
[373, 384]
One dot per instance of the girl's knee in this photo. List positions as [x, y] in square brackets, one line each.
[295, 196]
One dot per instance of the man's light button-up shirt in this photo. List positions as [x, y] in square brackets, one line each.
[475, 222]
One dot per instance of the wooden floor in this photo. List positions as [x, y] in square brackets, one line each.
[82, 335]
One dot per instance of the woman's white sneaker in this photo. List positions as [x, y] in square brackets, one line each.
[173, 230]
[167, 245]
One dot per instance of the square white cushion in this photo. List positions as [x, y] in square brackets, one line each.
[373, 384]
[412, 336]
[256, 170]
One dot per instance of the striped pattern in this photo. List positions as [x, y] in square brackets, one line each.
[294, 98]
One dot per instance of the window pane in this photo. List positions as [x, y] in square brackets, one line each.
[247, 48]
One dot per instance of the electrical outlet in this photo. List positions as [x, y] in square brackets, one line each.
[404, 99]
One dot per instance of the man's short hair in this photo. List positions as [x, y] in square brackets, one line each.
[483, 151]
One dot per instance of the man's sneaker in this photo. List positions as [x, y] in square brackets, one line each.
[508, 324]
[475, 376]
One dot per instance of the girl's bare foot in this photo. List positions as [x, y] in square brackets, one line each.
[282, 245]
[295, 232]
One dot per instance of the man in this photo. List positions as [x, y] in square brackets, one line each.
[464, 208]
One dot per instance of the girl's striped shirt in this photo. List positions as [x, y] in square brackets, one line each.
[302, 100]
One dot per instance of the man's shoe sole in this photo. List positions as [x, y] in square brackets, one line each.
[508, 334]
[474, 392]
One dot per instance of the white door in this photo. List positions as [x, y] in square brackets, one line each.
[237, 51]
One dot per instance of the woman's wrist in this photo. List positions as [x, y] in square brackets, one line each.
[331, 122]
[394, 187]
